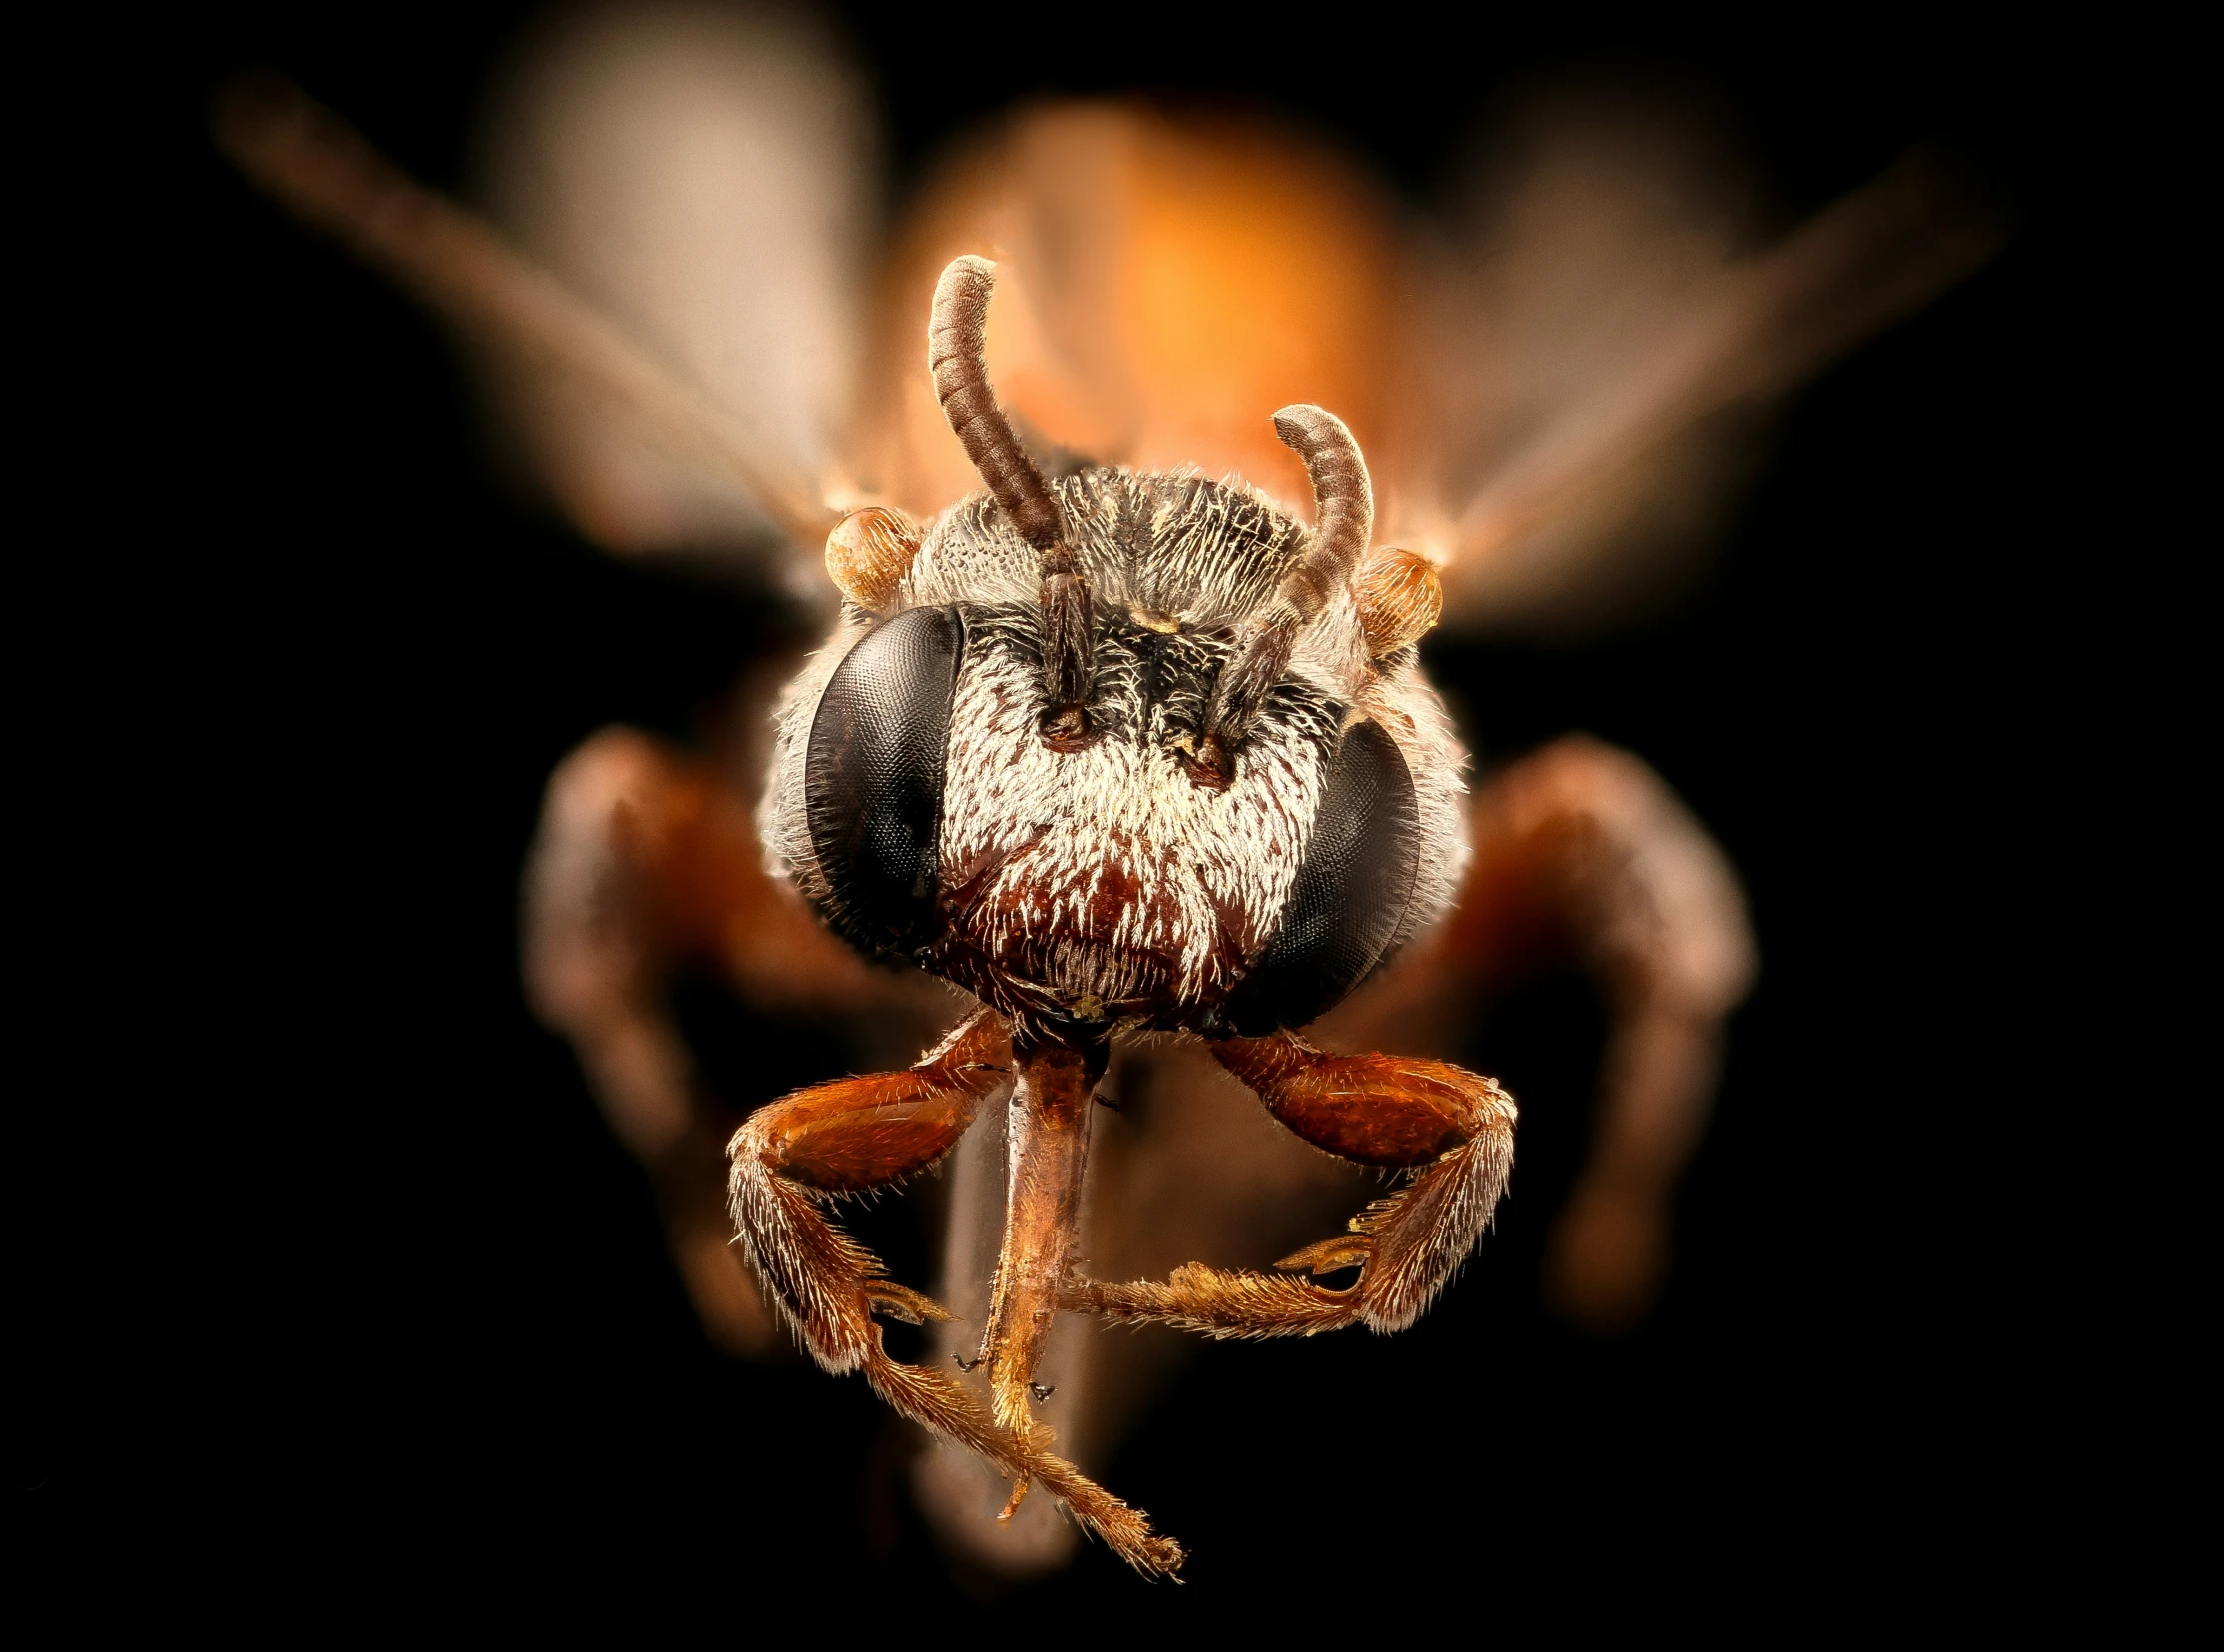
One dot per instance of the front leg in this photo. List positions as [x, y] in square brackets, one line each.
[847, 1136]
[1051, 1107]
[794, 1157]
[1454, 1128]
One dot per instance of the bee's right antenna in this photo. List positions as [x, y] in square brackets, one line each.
[1343, 500]
[955, 357]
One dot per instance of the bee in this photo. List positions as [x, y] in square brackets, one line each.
[1169, 446]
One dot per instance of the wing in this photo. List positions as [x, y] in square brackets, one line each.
[1598, 333]
[705, 177]
[1555, 387]
[664, 298]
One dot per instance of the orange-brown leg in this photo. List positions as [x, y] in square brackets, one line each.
[1582, 847]
[1051, 1107]
[795, 1156]
[1454, 1128]
[648, 859]
[851, 1136]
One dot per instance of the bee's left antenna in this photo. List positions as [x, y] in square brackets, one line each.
[1343, 526]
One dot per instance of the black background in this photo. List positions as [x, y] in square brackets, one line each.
[349, 1282]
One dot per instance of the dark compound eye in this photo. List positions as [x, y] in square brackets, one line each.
[1351, 891]
[872, 778]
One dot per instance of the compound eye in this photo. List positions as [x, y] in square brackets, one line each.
[872, 779]
[1351, 892]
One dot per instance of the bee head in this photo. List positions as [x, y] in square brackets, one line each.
[1122, 747]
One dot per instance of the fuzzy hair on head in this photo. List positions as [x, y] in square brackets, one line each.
[1105, 883]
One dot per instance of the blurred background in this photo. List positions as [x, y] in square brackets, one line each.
[369, 1291]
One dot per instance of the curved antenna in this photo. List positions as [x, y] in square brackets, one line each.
[957, 358]
[1343, 506]
[1343, 517]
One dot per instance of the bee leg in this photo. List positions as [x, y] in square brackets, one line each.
[1581, 847]
[647, 859]
[1051, 1111]
[1452, 1128]
[795, 1156]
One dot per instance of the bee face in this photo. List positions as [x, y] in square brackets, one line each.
[924, 801]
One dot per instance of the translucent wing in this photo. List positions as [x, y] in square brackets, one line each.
[665, 299]
[1598, 331]
[1555, 388]
[704, 177]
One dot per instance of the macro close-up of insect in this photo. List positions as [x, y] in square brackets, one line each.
[1125, 830]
